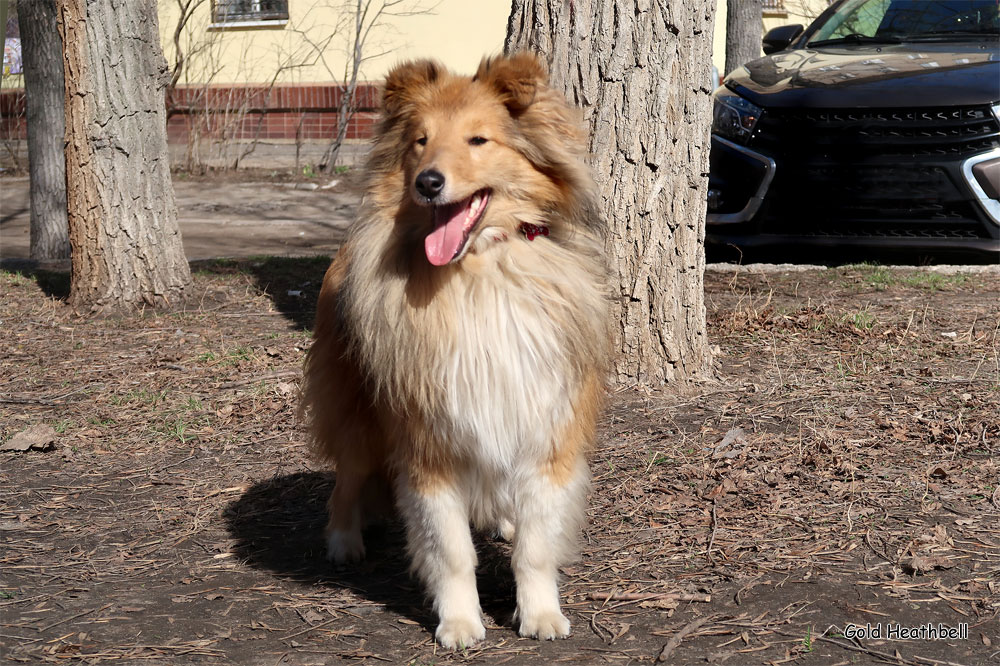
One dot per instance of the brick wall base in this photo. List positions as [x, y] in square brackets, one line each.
[306, 112]
[293, 112]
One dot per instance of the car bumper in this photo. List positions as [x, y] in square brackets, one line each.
[987, 250]
[749, 204]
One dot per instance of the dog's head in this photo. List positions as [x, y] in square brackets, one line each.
[481, 155]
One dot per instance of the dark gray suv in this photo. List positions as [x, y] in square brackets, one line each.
[878, 126]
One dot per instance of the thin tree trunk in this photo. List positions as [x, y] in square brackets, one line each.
[640, 69]
[43, 87]
[744, 24]
[347, 104]
[4, 6]
[126, 244]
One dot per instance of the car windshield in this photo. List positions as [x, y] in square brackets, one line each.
[895, 21]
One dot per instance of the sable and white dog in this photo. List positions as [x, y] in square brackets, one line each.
[462, 337]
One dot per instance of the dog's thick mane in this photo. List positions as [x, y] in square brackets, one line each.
[411, 321]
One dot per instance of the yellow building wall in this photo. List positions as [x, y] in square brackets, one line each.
[313, 46]
[796, 11]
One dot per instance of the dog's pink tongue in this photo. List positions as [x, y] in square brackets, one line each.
[442, 244]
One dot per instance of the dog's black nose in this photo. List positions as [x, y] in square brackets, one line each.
[430, 182]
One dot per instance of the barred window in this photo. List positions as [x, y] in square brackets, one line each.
[234, 11]
[775, 8]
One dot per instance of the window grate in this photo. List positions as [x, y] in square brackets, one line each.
[232, 11]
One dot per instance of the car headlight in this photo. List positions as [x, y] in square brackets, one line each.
[733, 117]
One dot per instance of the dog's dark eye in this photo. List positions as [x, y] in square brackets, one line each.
[422, 141]
[477, 141]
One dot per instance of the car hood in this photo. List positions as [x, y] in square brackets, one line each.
[952, 74]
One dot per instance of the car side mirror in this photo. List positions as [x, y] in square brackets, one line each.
[778, 39]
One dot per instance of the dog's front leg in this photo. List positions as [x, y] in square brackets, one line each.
[549, 511]
[343, 530]
[440, 545]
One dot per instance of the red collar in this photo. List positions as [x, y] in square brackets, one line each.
[531, 230]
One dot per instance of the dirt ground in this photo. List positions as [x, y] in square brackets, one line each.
[842, 468]
[256, 212]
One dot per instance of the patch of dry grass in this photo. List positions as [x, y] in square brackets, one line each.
[843, 468]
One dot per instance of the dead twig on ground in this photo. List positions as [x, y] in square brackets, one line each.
[73, 617]
[715, 529]
[679, 637]
[648, 596]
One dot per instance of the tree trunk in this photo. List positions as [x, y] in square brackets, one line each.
[43, 87]
[640, 69]
[744, 24]
[126, 245]
[4, 4]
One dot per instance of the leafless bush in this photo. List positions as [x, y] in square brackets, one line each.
[366, 15]
[225, 122]
[12, 118]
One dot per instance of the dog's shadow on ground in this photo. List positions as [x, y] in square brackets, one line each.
[292, 283]
[277, 526]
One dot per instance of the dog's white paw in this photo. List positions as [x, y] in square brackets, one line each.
[343, 546]
[545, 625]
[506, 530]
[458, 633]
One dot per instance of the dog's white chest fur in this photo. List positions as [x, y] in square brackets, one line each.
[502, 370]
[489, 358]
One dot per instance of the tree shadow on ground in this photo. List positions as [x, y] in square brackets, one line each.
[278, 527]
[9, 215]
[292, 283]
[52, 277]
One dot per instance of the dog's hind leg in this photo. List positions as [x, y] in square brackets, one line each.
[343, 529]
[549, 511]
[440, 544]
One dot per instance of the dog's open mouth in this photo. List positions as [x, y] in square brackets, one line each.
[452, 225]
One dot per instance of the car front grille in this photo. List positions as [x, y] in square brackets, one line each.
[915, 133]
[889, 173]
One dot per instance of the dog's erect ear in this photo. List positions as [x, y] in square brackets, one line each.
[404, 79]
[516, 78]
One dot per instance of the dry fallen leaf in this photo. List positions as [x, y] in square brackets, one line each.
[734, 438]
[921, 563]
[311, 616]
[36, 437]
[727, 486]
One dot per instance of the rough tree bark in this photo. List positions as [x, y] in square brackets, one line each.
[744, 26]
[640, 69]
[43, 87]
[126, 244]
